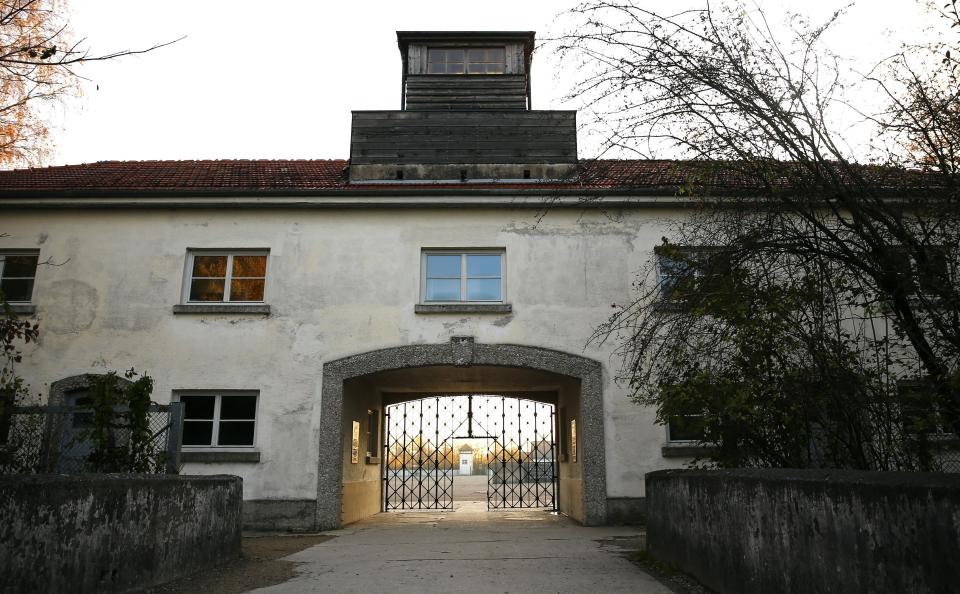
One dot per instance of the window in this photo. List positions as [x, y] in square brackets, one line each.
[459, 60]
[922, 413]
[930, 277]
[225, 277]
[564, 440]
[682, 269]
[18, 270]
[373, 433]
[474, 276]
[685, 428]
[670, 272]
[224, 419]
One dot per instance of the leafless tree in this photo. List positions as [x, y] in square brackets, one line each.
[754, 115]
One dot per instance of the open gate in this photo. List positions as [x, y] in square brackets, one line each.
[420, 460]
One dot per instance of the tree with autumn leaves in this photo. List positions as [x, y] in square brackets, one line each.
[38, 60]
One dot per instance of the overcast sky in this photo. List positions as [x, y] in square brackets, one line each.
[278, 80]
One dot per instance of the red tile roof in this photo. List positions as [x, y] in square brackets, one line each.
[331, 176]
[178, 175]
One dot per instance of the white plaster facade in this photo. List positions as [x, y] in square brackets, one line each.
[340, 281]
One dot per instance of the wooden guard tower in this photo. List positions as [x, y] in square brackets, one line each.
[465, 116]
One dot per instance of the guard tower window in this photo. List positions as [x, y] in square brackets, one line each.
[459, 60]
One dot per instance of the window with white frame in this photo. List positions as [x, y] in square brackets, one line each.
[220, 276]
[459, 276]
[219, 418]
[18, 271]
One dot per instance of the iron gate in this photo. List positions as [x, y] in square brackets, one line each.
[420, 460]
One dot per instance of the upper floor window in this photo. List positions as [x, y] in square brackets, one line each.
[459, 60]
[687, 271]
[470, 276]
[225, 276]
[18, 270]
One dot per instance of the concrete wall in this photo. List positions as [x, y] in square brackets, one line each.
[570, 495]
[340, 282]
[361, 481]
[808, 531]
[110, 533]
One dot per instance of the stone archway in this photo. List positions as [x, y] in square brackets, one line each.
[463, 352]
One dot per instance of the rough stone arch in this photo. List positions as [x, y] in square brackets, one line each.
[462, 352]
[54, 424]
[60, 388]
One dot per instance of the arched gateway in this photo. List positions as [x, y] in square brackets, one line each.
[347, 491]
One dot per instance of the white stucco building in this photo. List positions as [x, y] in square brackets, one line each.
[463, 248]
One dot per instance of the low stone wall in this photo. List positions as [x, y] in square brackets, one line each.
[111, 533]
[625, 511]
[807, 531]
[279, 515]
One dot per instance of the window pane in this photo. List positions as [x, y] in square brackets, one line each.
[455, 55]
[206, 290]
[443, 266]
[434, 68]
[197, 432]
[198, 407]
[476, 55]
[455, 68]
[483, 289]
[497, 54]
[17, 290]
[246, 290]
[210, 266]
[477, 69]
[686, 428]
[235, 433]
[19, 265]
[494, 68]
[238, 407]
[250, 266]
[443, 289]
[483, 265]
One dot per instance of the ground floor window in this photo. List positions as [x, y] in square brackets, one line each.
[224, 419]
[685, 428]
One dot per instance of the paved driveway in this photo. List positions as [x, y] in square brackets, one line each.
[470, 550]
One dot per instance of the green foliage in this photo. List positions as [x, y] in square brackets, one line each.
[120, 433]
[14, 332]
[773, 359]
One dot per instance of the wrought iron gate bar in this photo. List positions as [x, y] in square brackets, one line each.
[419, 460]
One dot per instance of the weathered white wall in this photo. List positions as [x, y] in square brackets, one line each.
[339, 282]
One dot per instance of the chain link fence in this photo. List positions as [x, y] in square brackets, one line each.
[946, 454]
[59, 440]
